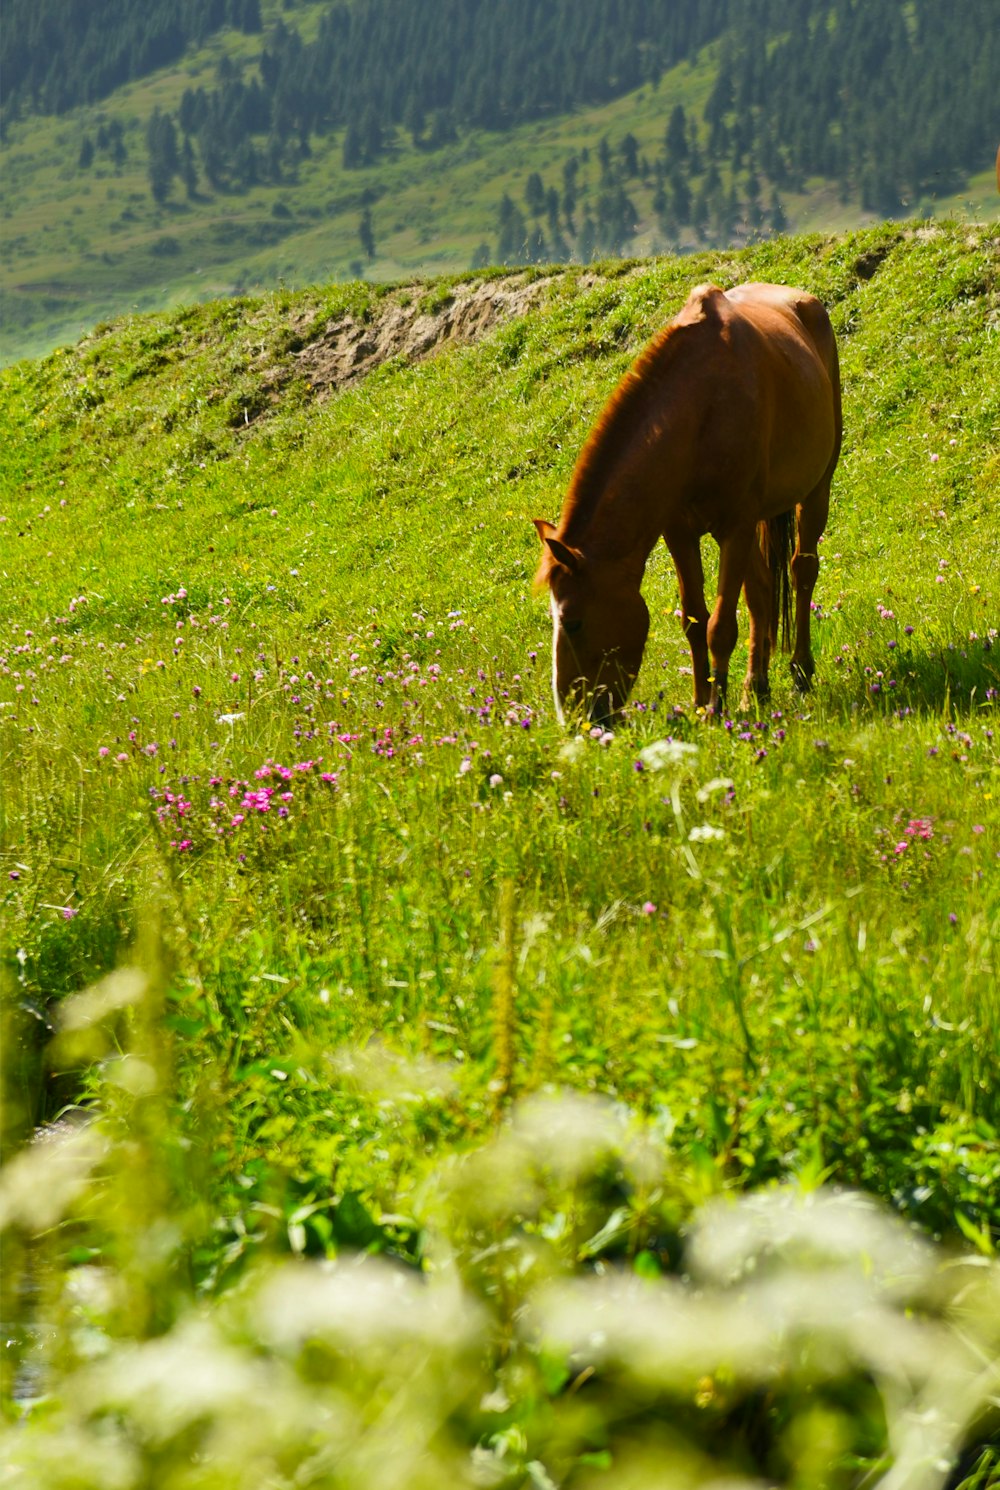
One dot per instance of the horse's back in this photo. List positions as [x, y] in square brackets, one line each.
[780, 315]
[758, 301]
[772, 381]
[810, 318]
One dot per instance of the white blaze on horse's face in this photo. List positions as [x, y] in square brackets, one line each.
[554, 609]
[599, 626]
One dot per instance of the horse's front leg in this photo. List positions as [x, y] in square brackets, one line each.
[734, 555]
[686, 553]
[812, 515]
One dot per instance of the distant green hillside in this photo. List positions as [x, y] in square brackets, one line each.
[297, 144]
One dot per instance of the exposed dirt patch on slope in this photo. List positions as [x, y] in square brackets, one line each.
[347, 348]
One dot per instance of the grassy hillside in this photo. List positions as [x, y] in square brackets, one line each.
[277, 745]
[79, 245]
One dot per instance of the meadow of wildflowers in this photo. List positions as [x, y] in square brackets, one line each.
[282, 787]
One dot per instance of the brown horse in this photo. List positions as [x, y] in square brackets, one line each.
[728, 423]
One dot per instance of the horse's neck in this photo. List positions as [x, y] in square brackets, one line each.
[632, 464]
[620, 529]
[619, 519]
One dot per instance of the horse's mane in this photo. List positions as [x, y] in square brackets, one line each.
[607, 447]
[616, 434]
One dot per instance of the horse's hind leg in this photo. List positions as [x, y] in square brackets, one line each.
[758, 589]
[812, 515]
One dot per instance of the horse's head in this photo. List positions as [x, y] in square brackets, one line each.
[600, 623]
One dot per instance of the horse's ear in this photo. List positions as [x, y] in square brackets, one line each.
[568, 557]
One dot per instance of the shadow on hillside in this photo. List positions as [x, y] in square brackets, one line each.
[958, 682]
[961, 678]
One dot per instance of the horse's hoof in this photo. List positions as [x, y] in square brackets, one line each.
[802, 677]
[755, 690]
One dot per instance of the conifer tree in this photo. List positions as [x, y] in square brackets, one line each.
[246, 165]
[161, 143]
[351, 155]
[366, 235]
[274, 158]
[694, 157]
[534, 194]
[569, 197]
[535, 251]
[251, 22]
[552, 211]
[700, 213]
[777, 218]
[116, 144]
[629, 151]
[616, 220]
[192, 110]
[415, 120]
[371, 135]
[212, 159]
[189, 170]
[680, 195]
[511, 233]
[442, 130]
[755, 211]
[676, 137]
[587, 242]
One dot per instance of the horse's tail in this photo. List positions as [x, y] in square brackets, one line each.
[777, 540]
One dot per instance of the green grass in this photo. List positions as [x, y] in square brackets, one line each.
[81, 246]
[194, 595]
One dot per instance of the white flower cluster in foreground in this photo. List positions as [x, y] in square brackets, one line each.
[360, 1373]
[664, 755]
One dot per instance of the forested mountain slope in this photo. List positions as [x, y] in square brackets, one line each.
[865, 92]
[412, 130]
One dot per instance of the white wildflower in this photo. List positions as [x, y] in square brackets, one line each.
[706, 833]
[661, 754]
[717, 784]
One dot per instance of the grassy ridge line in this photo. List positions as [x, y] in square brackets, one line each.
[343, 586]
[170, 396]
[82, 246]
